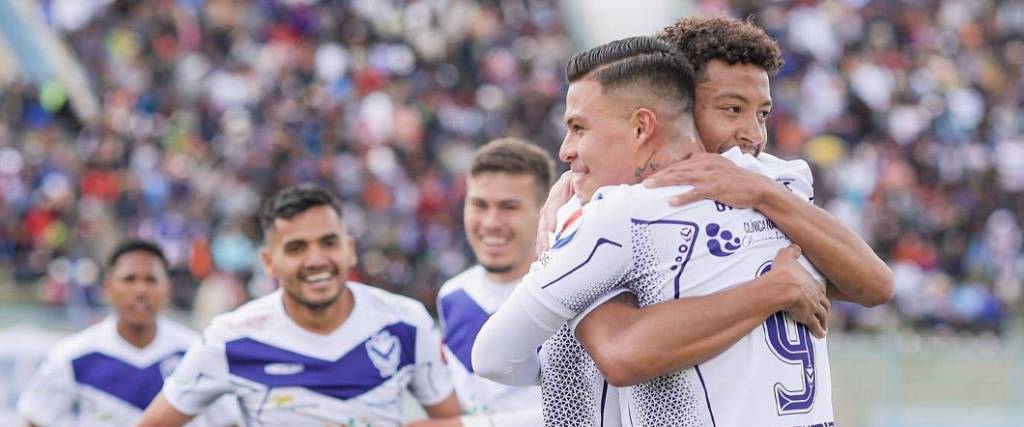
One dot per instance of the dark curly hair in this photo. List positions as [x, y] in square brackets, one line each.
[701, 39]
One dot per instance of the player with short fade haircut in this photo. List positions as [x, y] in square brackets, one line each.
[693, 265]
[108, 373]
[506, 184]
[515, 157]
[321, 350]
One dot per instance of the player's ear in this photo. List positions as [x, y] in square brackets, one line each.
[350, 246]
[643, 122]
[266, 259]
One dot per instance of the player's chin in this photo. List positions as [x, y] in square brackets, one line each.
[495, 266]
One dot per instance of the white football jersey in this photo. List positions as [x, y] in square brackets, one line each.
[283, 374]
[629, 237]
[96, 378]
[464, 303]
[574, 390]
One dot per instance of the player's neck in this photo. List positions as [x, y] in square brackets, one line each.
[324, 320]
[509, 277]
[138, 335]
[661, 157]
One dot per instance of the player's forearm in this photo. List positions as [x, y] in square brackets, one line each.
[161, 413]
[675, 335]
[505, 349]
[446, 408]
[842, 256]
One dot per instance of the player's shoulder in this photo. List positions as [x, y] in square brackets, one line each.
[397, 307]
[251, 318]
[461, 281]
[176, 331]
[794, 174]
[613, 201]
[777, 165]
[82, 342]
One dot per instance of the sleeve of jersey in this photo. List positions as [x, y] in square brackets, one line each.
[575, 321]
[223, 413]
[431, 382]
[200, 379]
[49, 397]
[586, 262]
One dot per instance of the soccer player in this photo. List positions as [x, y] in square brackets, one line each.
[629, 112]
[108, 373]
[733, 60]
[320, 350]
[507, 182]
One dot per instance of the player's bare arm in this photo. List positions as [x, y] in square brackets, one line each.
[631, 345]
[160, 413]
[447, 408]
[858, 274]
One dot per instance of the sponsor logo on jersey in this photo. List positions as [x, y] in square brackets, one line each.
[282, 399]
[385, 352]
[721, 243]
[568, 230]
[283, 368]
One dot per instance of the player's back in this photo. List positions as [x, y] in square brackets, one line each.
[776, 375]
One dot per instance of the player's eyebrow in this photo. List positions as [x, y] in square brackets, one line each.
[569, 120]
[741, 98]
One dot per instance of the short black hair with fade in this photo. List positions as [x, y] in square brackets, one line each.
[515, 157]
[135, 245]
[702, 39]
[640, 60]
[294, 200]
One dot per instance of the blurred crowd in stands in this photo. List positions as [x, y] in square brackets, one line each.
[910, 113]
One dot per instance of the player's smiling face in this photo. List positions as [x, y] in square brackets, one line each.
[732, 106]
[137, 288]
[597, 139]
[500, 217]
[309, 255]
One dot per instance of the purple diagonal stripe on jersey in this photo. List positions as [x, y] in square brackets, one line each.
[463, 318]
[136, 386]
[600, 242]
[349, 376]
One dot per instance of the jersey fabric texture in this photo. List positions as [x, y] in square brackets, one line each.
[96, 378]
[464, 303]
[283, 374]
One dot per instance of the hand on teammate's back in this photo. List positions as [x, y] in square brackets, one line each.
[558, 196]
[712, 177]
[811, 306]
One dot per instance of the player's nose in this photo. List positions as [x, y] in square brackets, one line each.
[567, 151]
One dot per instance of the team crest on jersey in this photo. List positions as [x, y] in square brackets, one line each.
[385, 352]
[168, 365]
[568, 230]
